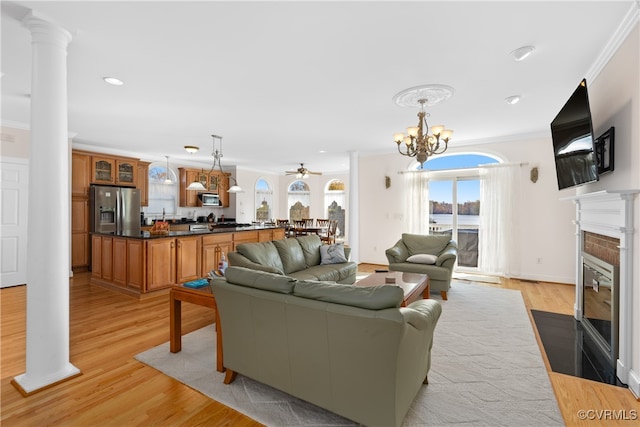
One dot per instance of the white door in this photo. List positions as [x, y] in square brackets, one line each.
[14, 177]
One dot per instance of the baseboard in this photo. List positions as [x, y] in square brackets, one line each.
[634, 383]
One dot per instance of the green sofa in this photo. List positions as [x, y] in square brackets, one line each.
[297, 257]
[439, 268]
[351, 350]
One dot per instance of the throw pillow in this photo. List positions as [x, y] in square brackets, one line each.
[332, 254]
[422, 259]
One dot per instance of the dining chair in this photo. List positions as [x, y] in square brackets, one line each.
[299, 226]
[322, 222]
[308, 222]
[330, 237]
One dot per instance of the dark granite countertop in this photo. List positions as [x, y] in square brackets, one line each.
[147, 235]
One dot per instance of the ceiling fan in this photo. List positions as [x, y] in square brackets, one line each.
[302, 172]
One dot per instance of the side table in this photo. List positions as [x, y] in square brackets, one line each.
[202, 296]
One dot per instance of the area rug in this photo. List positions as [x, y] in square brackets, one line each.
[486, 370]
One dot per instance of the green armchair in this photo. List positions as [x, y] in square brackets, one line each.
[433, 255]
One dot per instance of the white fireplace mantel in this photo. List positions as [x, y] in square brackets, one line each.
[610, 213]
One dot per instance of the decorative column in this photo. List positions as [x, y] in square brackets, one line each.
[47, 351]
[354, 223]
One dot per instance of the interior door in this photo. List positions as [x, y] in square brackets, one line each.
[13, 222]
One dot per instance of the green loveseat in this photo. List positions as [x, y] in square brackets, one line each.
[439, 268]
[351, 350]
[297, 257]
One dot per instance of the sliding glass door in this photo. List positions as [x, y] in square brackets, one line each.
[454, 209]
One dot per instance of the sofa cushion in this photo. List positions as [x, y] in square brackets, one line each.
[423, 244]
[332, 254]
[372, 298]
[264, 253]
[291, 255]
[311, 248]
[260, 280]
[331, 273]
[422, 259]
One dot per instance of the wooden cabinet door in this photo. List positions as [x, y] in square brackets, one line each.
[79, 232]
[119, 261]
[244, 237]
[143, 182]
[96, 257]
[223, 186]
[79, 250]
[136, 264]
[161, 263]
[103, 170]
[107, 258]
[80, 174]
[213, 246]
[278, 234]
[126, 172]
[188, 259]
[188, 198]
[265, 235]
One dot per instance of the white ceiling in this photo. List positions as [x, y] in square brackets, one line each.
[281, 81]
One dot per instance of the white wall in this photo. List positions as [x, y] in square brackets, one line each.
[547, 231]
[614, 97]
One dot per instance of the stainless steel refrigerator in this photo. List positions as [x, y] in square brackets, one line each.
[115, 210]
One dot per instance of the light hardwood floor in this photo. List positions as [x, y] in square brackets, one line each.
[107, 329]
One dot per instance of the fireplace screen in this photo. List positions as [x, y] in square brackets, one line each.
[600, 304]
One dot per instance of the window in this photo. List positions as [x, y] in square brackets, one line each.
[264, 200]
[162, 195]
[298, 200]
[334, 203]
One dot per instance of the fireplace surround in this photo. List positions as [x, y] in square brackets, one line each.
[606, 217]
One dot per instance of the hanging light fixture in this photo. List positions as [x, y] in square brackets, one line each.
[418, 142]
[167, 178]
[191, 149]
[217, 163]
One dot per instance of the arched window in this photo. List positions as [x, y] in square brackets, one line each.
[334, 202]
[298, 200]
[264, 200]
[161, 194]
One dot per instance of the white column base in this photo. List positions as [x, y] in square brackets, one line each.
[28, 385]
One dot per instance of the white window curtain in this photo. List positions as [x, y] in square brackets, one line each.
[499, 223]
[417, 202]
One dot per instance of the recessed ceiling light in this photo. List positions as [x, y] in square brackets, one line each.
[113, 81]
[511, 100]
[522, 53]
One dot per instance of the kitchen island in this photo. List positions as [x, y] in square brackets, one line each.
[138, 265]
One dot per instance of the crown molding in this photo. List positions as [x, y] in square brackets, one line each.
[617, 38]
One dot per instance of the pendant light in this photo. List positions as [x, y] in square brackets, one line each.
[167, 179]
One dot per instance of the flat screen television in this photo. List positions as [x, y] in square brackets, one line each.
[573, 143]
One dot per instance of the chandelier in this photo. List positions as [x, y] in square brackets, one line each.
[217, 163]
[418, 142]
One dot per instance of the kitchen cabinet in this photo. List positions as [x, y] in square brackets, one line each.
[79, 233]
[103, 170]
[136, 256]
[126, 172]
[119, 262]
[161, 263]
[138, 265]
[80, 173]
[143, 182]
[188, 258]
[244, 237]
[213, 181]
[213, 246]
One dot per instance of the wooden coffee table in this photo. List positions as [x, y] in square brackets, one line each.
[415, 286]
[201, 296]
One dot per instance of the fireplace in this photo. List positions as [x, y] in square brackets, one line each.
[604, 231]
[600, 305]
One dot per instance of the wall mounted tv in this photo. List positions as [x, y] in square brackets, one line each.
[573, 144]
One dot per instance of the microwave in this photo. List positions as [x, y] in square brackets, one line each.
[209, 199]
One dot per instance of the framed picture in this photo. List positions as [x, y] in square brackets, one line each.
[605, 151]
